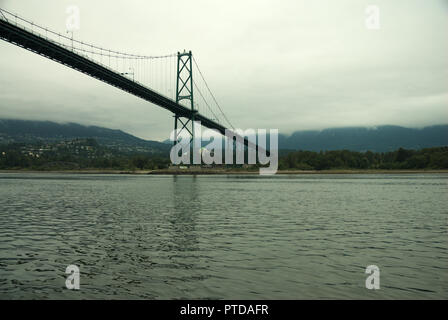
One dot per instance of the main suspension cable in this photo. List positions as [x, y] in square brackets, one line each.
[211, 93]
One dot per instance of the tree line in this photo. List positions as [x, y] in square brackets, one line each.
[89, 155]
[86, 156]
[429, 158]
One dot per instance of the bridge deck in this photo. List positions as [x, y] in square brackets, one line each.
[51, 50]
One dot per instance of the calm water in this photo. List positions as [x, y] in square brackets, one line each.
[223, 237]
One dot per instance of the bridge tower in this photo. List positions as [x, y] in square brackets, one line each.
[184, 91]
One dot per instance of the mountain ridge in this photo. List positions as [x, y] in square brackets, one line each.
[31, 131]
[378, 139]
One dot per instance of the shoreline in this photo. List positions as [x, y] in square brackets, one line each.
[227, 172]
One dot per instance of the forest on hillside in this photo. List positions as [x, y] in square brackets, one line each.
[429, 158]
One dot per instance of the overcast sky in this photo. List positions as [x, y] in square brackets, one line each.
[291, 65]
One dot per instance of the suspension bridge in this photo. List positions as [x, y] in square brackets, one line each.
[165, 80]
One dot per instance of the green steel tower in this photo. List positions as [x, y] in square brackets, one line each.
[184, 91]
